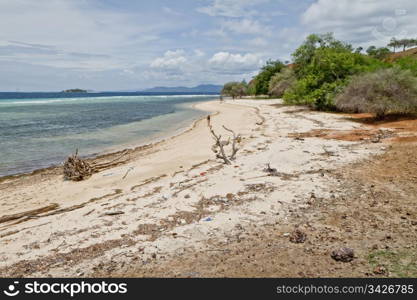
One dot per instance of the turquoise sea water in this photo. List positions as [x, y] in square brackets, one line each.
[38, 131]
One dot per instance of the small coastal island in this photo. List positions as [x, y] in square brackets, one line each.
[74, 91]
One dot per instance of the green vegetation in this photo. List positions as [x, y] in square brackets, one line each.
[404, 43]
[398, 264]
[280, 82]
[325, 68]
[265, 75]
[234, 89]
[387, 90]
[379, 53]
[407, 63]
[322, 67]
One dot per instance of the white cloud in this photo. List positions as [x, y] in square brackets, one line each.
[363, 21]
[199, 53]
[246, 26]
[170, 60]
[235, 63]
[70, 34]
[231, 8]
[258, 42]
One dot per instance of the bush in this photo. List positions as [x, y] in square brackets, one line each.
[308, 91]
[251, 89]
[384, 91]
[234, 89]
[263, 78]
[280, 82]
[407, 63]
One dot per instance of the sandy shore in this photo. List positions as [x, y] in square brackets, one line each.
[175, 196]
[167, 156]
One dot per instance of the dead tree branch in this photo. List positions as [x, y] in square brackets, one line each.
[219, 146]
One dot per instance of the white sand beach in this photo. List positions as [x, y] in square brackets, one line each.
[175, 196]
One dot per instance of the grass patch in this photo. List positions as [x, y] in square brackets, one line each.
[398, 263]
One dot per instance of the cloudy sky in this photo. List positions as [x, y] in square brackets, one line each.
[48, 45]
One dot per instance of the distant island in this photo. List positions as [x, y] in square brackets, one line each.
[202, 88]
[74, 91]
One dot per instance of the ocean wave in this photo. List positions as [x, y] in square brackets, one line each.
[92, 99]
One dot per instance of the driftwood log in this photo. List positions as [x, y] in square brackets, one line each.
[219, 145]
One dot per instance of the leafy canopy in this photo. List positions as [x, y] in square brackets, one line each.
[323, 66]
[262, 79]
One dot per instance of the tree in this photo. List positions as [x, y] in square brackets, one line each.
[394, 43]
[359, 50]
[323, 69]
[371, 50]
[404, 43]
[251, 89]
[379, 53]
[234, 89]
[304, 54]
[262, 79]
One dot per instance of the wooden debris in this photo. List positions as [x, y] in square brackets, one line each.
[221, 144]
[113, 213]
[127, 172]
[29, 213]
[77, 169]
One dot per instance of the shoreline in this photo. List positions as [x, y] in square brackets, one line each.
[178, 200]
[46, 186]
[113, 151]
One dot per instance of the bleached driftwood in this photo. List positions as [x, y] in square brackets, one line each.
[219, 146]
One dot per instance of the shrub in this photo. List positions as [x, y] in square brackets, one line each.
[263, 78]
[251, 89]
[280, 82]
[384, 91]
[234, 89]
[308, 91]
[407, 63]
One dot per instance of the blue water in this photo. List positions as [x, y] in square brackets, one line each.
[41, 129]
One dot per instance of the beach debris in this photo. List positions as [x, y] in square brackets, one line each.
[77, 169]
[113, 213]
[29, 213]
[219, 146]
[380, 270]
[298, 236]
[343, 254]
[127, 172]
[86, 214]
[208, 219]
[271, 171]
